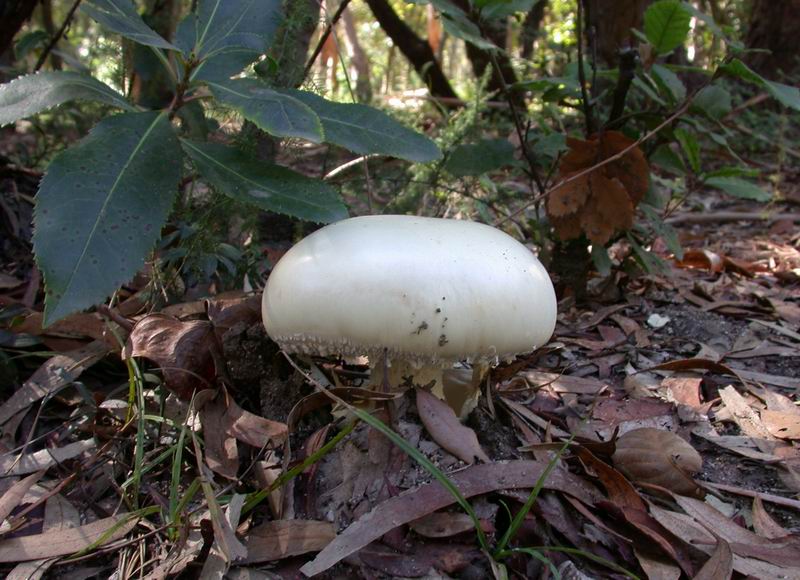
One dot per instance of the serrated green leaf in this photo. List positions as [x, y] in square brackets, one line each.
[276, 113]
[669, 82]
[366, 130]
[100, 209]
[785, 94]
[481, 157]
[269, 187]
[665, 158]
[651, 93]
[691, 148]
[32, 94]
[228, 35]
[121, 17]
[739, 188]
[666, 25]
[713, 101]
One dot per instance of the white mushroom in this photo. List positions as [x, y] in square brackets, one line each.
[412, 293]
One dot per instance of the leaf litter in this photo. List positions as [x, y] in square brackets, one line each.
[683, 455]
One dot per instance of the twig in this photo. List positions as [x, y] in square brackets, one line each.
[53, 41]
[730, 216]
[325, 34]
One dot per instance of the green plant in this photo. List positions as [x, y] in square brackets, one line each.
[103, 202]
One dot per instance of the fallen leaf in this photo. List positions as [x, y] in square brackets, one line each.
[720, 565]
[780, 424]
[57, 372]
[442, 524]
[30, 462]
[183, 350]
[745, 417]
[221, 455]
[280, 539]
[763, 523]
[444, 427]
[701, 259]
[13, 497]
[65, 542]
[658, 458]
[415, 503]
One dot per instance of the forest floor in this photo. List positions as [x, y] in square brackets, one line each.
[703, 356]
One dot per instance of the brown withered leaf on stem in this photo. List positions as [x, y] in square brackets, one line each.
[182, 349]
[570, 197]
[631, 169]
[604, 200]
[659, 458]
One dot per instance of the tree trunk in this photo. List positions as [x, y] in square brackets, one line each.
[773, 25]
[416, 50]
[530, 28]
[13, 14]
[609, 26]
[150, 83]
[50, 28]
[359, 58]
[495, 32]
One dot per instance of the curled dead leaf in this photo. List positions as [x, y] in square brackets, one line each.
[183, 350]
[568, 198]
[659, 458]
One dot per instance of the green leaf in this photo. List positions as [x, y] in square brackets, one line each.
[713, 101]
[786, 95]
[666, 24]
[32, 94]
[648, 90]
[100, 209]
[228, 35]
[496, 9]
[669, 82]
[549, 146]
[601, 260]
[690, 148]
[739, 188]
[665, 158]
[28, 42]
[121, 17]
[733, 172]
[269, 187]
[481, 157]
[366, 130]
[276, 113]
[651, 263]
[663, 230]
[456, 22]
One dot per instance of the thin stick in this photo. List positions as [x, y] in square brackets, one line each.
[57, 37]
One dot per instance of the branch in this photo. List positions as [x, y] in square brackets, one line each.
[57, 37]
[325, 34]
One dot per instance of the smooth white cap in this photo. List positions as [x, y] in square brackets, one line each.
[430, 290]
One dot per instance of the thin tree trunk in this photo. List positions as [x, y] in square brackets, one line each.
[150, 83]
[416, 50]
[530, 28]
[611, 21]
[773, 26]
[360, 59]
[50, 27]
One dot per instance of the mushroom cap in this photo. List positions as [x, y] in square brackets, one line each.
[429, 290]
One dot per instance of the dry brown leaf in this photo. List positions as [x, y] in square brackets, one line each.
[720, 565]
[252, 429]
[568, 227]
[183, 350]
[442, 524]
[657, 568]
[631, 169]
[58, 371]
[222, 456]
[30, 462]
[444, 427]
[428, 498]
[581, 154]
[568, 198]
[701, 259]
[13, 497]
[658, 458]
[781, 424]
[275, 540]
[64, 542]
[763, 523]
[613, 202]
[597, 228]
